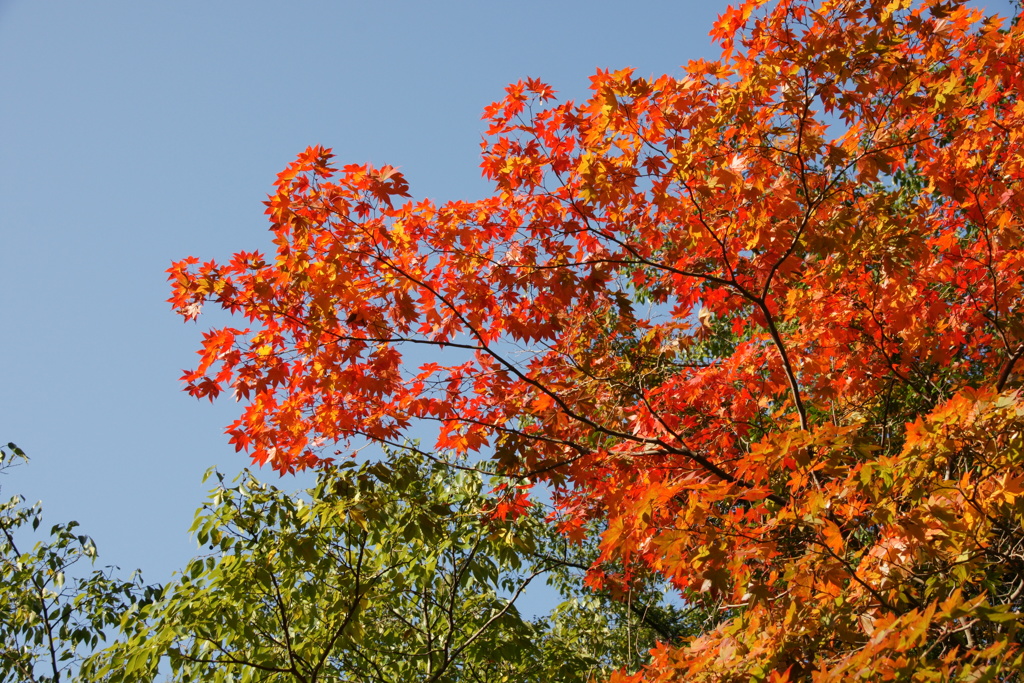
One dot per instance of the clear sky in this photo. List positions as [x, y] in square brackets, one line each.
[136, 133]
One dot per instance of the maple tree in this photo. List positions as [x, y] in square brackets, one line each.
[761, 319]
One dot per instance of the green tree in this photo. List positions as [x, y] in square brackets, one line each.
[50, 618]
[397, 570]
[405, 569]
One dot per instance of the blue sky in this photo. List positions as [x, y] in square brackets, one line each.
[137, 133]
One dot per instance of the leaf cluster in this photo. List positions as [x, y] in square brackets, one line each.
[53, 613]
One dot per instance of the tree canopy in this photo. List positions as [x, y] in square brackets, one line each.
[759, 321]
[388, 572]
[53, 613]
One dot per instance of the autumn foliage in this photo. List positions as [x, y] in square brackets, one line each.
[762, 318]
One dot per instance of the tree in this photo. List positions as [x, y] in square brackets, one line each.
[390, 571]
[51, 619]
[387, 572]
[762, 321]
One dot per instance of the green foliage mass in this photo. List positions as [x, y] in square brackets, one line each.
[397, 570]
[52, 617]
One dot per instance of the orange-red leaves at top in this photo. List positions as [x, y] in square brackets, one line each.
[760, 320]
